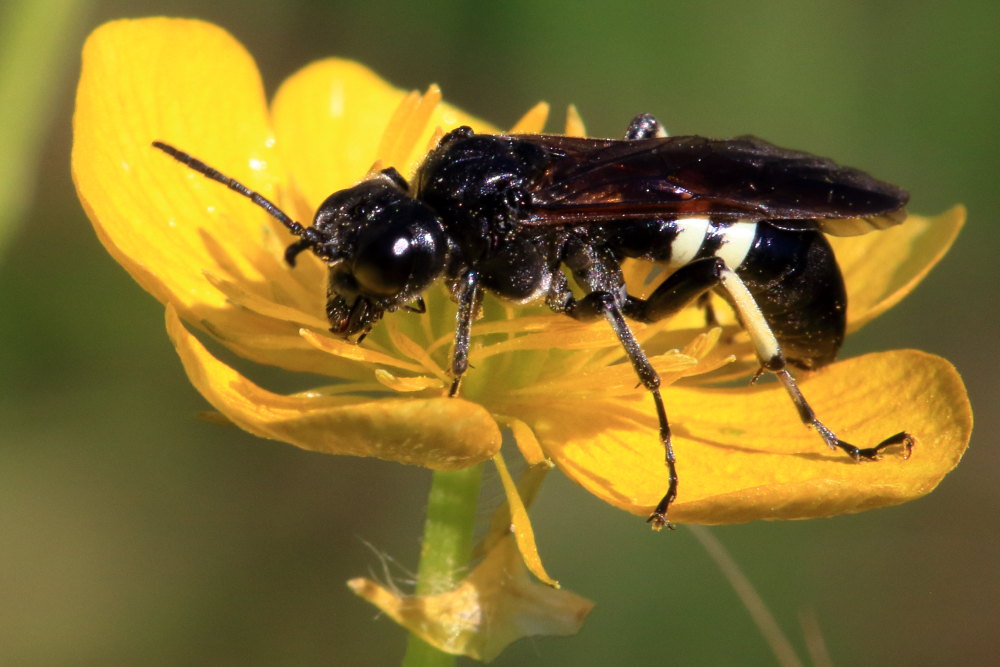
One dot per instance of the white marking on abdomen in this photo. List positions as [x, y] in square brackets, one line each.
[737, 241]
[690, 235]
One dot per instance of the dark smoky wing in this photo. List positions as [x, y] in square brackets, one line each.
[742, 179]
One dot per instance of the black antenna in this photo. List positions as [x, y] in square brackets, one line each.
[202, 168]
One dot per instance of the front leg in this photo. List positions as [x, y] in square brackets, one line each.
[470, 296]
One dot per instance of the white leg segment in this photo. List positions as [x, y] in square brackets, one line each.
[771, 359]
[764, 341]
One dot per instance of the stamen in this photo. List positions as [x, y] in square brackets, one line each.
[533, 121]
[574, 122]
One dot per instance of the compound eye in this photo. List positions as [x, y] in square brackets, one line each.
[386, 259]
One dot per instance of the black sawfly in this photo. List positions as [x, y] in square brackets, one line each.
[514, 214]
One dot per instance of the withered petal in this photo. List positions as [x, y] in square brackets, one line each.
[497, 604]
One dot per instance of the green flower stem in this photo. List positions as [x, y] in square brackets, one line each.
[37, 42]
[446, 549]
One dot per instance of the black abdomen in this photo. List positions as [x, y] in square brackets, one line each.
[795, 279]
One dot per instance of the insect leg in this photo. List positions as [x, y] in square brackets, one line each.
[419, 306]
[598, 272]
[809, 417]
[773, 360]
[683, 286]
[470, 295]
[598, 304]
[644, 126]
[705, 303]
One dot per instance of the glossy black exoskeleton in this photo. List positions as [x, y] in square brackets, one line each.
[508, 214]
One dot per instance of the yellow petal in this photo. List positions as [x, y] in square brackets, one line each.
[497, 604]
[335, 346]
[532, 122]
[283, 344]
[520, 525]
[438, 433]
[882, 267]
[407, 384]
[330, 118]
[411, 350]
[501, 524]
[743, 454]
[149, 211]
[183, 237]
[527, 443]
[574, 123]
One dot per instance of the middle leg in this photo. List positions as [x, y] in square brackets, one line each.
[597, 304]
[599, 274]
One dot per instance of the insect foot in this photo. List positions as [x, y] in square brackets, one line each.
[875, 453]
[658, 519]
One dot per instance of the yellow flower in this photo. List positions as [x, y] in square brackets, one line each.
[215, 261]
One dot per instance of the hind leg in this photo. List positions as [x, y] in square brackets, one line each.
[644, 126]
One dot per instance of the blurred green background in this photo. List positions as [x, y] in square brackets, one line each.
[133, 533]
